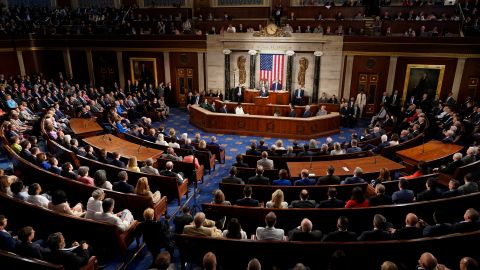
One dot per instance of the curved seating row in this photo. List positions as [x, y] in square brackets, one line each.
[11, 260]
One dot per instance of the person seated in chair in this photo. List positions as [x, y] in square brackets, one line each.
[305, 180]
[122, 220]
[68, 259]
[168, 172]
[305, 232]
[258, 179]
[304, 201]
[232, 178]
[198, 228]
[247, 198]
[270, 232]
[307, 112]
[276, 86]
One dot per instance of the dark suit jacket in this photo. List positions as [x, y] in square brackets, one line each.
[302, 204]
[118, 163]
[30, 250]
[292, 114]
[247, 202]
[69, 260]
[452, 166]
[374, 235]
[181, 221]
[331, 203]
[463, 226]
[353, 180]
[438, 229]
[7, 242]
[429, 194]
[232, 180]
[297, 235]
[328, 180]
[122, 186]
[240, 165]
[340, 236]
[258, 180]
[381, 199]
[406, 233]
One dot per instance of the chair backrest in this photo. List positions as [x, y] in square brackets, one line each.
[460, 172]
[11, 261]
[416, 184]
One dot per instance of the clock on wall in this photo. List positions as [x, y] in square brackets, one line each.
[271, 29]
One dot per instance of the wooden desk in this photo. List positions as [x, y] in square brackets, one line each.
[274, 97]
[259, 125]
[126, 149]
[369, 165]
[267, 109]
[84, 128]
[429, 152]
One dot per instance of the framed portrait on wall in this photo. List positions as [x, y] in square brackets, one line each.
[421, 79]
[144, 70]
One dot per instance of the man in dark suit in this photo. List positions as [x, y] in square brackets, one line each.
[69, 259]
[116, 160]
[169, 172]
[232, 179]
[298, 96]
[453, 190]
[181, 220]
[329, 179]
[253, 150]
[441, 226]
[305, 232]
[450, 101]
[305, 180]
[258, 179]
[356, 179]
[470, 223]
[238, 94]
[395, 101]
[403, 195]
[452, 166]
[354, 147]
[122, 185]
[332, 201]
[342, 234]
[247, 199]
[431, 193]
[379, 232]
[307, 112]
[292, 112]
[276, 86]
[263, 92]
[380, 197]
[304, 202]
[7, 242]
[26, 248]
[410, 231]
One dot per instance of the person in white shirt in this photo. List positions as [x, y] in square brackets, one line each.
[35, 198]
[361, 101]
[161, 140]
[94, 203]
[122, 220]
[239, 109]
[269, 232]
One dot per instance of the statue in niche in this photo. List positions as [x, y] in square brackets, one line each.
[303, 66]
[242, 73]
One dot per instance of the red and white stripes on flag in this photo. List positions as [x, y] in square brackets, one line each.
[272, 68]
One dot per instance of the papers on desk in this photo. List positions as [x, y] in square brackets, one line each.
[345, 169]
[311, 175]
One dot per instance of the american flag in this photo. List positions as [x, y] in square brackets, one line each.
[271, 67]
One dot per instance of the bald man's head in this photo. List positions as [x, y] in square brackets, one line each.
[411, 219]
[254, 264]
[209, 261]
[428, 261]
[306, 225]
[468, 263]
[199, 219]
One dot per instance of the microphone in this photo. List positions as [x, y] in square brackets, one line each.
[311, 157]
[423, 144]
[140, 146]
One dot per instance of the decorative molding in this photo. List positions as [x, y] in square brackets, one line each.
[405, 54]
[318, 53]
[226, 51]
[252, 52]
[290, 53]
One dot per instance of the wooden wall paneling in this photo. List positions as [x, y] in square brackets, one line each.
[370, 65]
[9, 64]
[105, 68]
[79, 66]
[449, 75]
[183, 60]
[48, 62]
[158, 57]
[471, 72]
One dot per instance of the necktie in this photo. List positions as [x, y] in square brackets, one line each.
[298, 93]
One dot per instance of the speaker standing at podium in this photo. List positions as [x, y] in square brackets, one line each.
[276, 86]
[239, 91]
[263, 92]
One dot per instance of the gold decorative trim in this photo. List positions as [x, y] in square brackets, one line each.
[413, 66]
[112, 49]
[407, 54]
[154, 60]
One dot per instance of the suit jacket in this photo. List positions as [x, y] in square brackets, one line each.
[172, 174]
[122, 186]
[70, 260]
[465, 226]
[149, 170]
[7, 242]
[302, 204]
[263, 93]
[30, 250]
[328, 180]
[352, 180]
[380, 199]
[181, 221]
[302, 93]
[331, 203]
[402, 196]
[201, 231]
[111, 219]
[298, 235]
[307, 114]
[118, 163]
[258, 180]
[374, 235]
[276, 86]
[265, 233]
[429, 194]
[406, 233]
[232, 180]
[304, 182]
[266, 163]
[340, 236]
[438, 230]
[247, 202]
[292, 113]
[452, 166]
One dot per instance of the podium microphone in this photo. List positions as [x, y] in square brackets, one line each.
[423, 143]
[311, 157]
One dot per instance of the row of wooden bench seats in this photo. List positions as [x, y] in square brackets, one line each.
[280, 162]
[11, 260]
[390, 151]
[437, 10]
[203, 158]
[235, 254]
[80, 192]
[263, 193]
[460, 172]
[324, 219]
[355, 24]
[451, 27]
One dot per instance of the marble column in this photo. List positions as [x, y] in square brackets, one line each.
[458, 77]
[316, 76]
[21, 64]
[348, 77]
[121, 71]
[392, 67]
[253, 70]
[91, 72]
[288, 84]
[227, 74]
